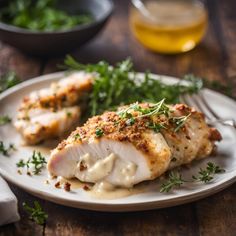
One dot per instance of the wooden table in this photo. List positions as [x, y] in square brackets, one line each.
[214, 58]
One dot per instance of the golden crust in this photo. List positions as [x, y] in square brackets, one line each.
[62, 96]
[117, 129]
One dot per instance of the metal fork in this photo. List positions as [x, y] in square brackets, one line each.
[199, 102]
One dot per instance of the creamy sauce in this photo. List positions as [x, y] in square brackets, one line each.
[104, 190]
[110, 169]
[94, 171]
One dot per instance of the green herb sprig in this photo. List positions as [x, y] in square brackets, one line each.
[36, 212]
[207, 174]
[175, 180]
[36, 161]
[8, 80]
[114, 85]
[179, 121]
[4, 120]
[41, 15]
[204, 175]
[6, 150]
[156, 127]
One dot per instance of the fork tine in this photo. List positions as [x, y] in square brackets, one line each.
[191, 101]
[203, 108]
[203, 100]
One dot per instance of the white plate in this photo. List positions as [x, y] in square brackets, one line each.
[79, 198]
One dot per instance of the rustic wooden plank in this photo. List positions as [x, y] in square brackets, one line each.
[25, 226]
[172, 221]
[217, 214]
[11, 59]
[227, 26]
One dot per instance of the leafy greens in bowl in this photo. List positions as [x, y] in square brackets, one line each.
[41, 30]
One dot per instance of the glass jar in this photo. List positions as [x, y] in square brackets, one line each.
[168, 26]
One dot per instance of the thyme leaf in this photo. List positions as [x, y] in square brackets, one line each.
[175, 180]
[36, 212]
[179, 121]
[6, 150]
[4, 120]
[156, 126]
[204, 175]
[207, 174]
[99, 132]
[35, 162]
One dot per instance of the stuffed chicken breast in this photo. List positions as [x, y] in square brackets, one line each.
[137, 143]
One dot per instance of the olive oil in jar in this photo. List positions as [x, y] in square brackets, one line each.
[174, 26]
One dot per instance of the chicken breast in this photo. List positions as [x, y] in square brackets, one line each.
[54, 111]
[43, 124]
[139, 142]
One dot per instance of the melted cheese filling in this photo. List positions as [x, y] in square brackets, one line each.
[99, 171]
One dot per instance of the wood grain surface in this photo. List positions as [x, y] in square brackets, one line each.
[214, 58]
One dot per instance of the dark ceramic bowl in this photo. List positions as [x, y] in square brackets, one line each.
[59, 42]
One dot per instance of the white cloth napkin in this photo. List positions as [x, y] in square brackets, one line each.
[8, 204]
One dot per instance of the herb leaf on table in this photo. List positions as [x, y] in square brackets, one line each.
[36, 213]
[8, 80]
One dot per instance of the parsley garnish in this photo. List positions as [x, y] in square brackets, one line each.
[4, 120]
[8, 80]
[207, 174]
[36, 212]
[175, 180]
[36, 161]
[99, 132]
[6, 150]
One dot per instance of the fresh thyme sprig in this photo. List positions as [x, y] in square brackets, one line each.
[207, 174]
[113, 86]
[156, 127]
[175, 180]
[159, 108]
[36, 212]
[204, 175]
[4, 120]
[179, 121]
[6, 150]
[36, 161]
